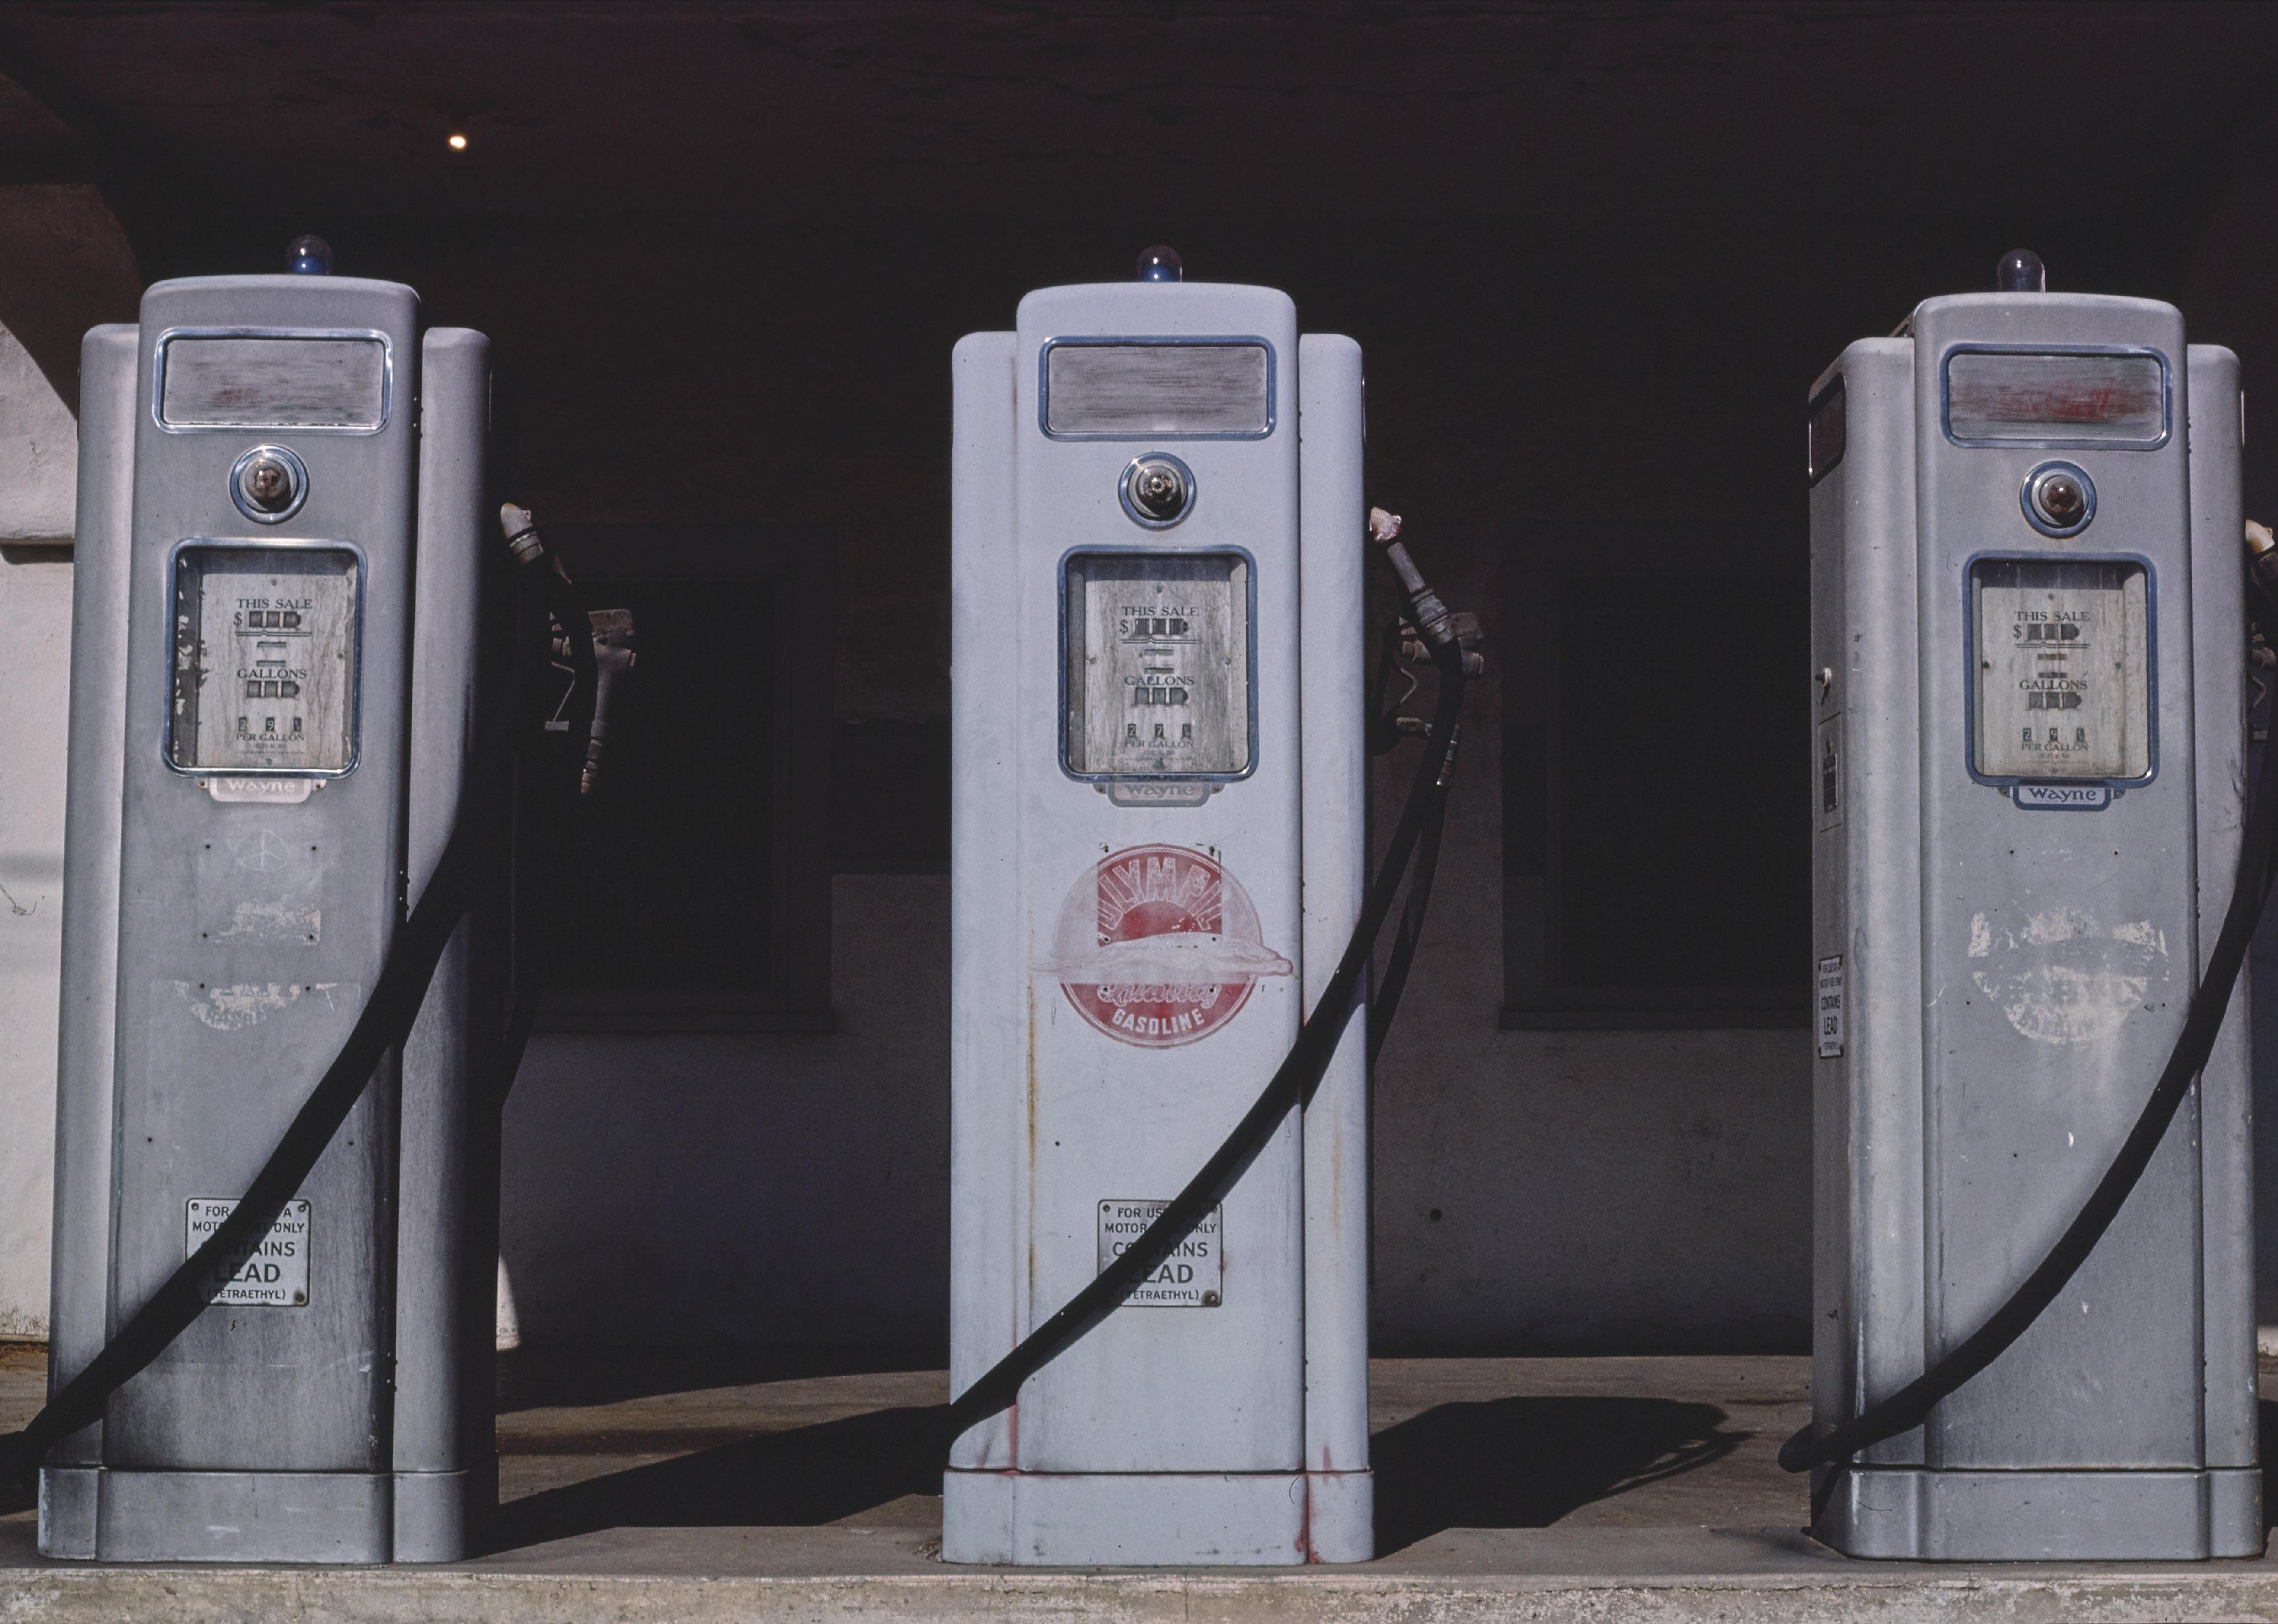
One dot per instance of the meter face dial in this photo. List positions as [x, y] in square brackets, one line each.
[1158, 651]
[264, 660]
[2063, 669]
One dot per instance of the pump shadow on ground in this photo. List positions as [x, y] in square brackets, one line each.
[1504, 1463]
[799, 1478]
[540, 1377]
[1525, 1463]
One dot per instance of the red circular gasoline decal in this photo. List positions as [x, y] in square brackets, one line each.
[1160, 946]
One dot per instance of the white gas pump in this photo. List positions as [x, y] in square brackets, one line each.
[1158, 707]
[2034, 1330]
[274, 667]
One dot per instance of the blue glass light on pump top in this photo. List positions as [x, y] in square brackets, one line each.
[310, 256]
[1161, 264]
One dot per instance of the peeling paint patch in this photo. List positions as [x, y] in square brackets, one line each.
[273, 922]
[232, 1009]
[2061, 976]
[2143, 935]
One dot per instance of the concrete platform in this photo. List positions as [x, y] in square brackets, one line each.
[781, 1485]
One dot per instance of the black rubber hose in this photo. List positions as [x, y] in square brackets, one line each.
[1402, 956]
[1292, 1085]
[564, 603]
[1383, 731]
[385, 1021]
[1909, 1407]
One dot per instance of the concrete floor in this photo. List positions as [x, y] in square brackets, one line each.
[639, 1440]
[641, 1484]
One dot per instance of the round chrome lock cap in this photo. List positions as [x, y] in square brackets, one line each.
[268, 484]
[2058, 499]
[1157, 490]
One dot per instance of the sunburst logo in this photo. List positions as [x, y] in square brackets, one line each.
[1160, 946]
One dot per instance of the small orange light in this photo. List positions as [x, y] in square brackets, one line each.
[458, 144]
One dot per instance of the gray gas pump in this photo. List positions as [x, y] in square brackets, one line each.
[275, 634]
[2029, 647]
[1158, 726]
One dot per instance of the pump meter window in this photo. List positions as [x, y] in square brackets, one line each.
[264, 660]
[2063, 677]
[1158, 652]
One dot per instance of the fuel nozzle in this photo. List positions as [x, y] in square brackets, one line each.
[2262, 579]
[613, 658]
[1430, 619]
[1431, 616]
[599, 638]
[1428, 634]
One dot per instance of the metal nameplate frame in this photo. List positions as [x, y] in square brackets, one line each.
[2019, 442]
[369, 335]
[1045, 383]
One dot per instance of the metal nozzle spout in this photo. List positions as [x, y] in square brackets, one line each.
[1431, 616]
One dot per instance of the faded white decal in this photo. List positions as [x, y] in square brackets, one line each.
[232, 1008]
[273, 922]
[2062, 976]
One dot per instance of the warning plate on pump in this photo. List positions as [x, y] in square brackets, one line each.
[267, 1270]
[1191, 1277]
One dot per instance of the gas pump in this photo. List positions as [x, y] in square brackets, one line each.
[258, 1356]
[1159, 1275]
[2035, 1330]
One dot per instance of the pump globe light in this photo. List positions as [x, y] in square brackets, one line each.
[1160, 263]
[2021, 271]
[310, 256]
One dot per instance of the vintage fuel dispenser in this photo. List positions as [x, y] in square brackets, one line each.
[274, 672]
[1159, 757]
[2035, 1330]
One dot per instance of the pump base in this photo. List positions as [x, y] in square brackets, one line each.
[1913, 1514]
[1157, 1519]
[97, 1513]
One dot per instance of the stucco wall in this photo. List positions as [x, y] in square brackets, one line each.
[38, 456]
[770, 1188]
[1631, 1190]
[1585, 1190]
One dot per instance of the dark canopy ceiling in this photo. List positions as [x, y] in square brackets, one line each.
[1097, 109]
[1596, 253]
